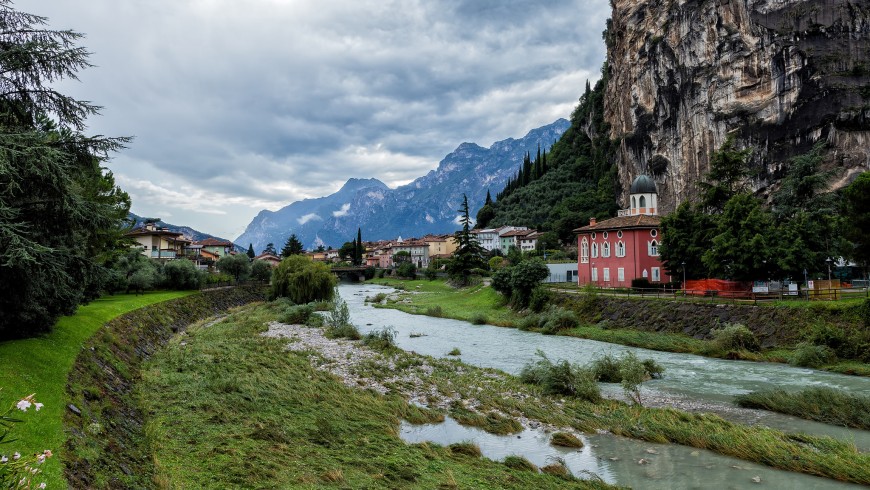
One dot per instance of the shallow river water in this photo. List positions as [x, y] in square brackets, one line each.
[694, 381]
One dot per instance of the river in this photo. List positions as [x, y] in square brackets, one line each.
[690, 381]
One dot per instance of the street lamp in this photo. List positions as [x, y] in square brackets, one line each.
[828, 261]
[684, 277]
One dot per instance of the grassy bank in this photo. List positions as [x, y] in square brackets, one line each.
[40, 365]
[229, 408]
[232, 409]
[822, 404]
[437, 298]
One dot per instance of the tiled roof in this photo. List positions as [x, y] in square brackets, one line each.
[214, 242]
[161, 232]
[638, 221]
[520, 233]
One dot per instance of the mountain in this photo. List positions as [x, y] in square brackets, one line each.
[187, 231]
[429, 204]
[777, 75]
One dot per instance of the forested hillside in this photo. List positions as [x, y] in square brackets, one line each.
[578, 181]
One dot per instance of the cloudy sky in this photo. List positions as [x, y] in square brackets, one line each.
[242, 105]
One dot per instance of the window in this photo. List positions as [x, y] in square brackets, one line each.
[653, 248]
[593, 235]
[620, 274]
[656, 275]
[606, 274]
[605, 249]
[584, 251]
[619, 234]
[620, 249]
[645, 273]
[633, 202]
[604, 235]
[594, 250]
[642, 202]
[653, 233]
[594, 274]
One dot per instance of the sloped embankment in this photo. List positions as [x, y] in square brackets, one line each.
[775, 326]
[105, 445]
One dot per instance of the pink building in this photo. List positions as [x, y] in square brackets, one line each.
[615, 251]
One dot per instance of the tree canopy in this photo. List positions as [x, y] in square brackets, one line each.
[469, 254]
[292, 246]
[62, 218]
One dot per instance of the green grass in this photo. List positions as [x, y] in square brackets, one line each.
[40, 365]
[233, 409]
[469, 304]
[822, 404]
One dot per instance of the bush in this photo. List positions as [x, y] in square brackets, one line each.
[407, 269]
[338, 322]
[295, 314]
[609, 369]
[520, 463]
[561, 378]
[501, 281]
[369, 272]
[261, 271]
[735, 337]
[378, 298]
[539, 300]
[380, 273]
[529, 322]
[302, 280]
[315, 321]
[435, 311]
[633, 373]
[641, 283]
[478, 319]
[557, 319]
[455, 352]
[181, 275]
[238, 266]
[565, 439]
[383, 339]
[812, 356]
[430, 273]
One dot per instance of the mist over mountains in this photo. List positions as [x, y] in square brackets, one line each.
[429, 204]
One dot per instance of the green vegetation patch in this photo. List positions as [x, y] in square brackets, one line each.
[40, 365]
[821, 404]
[229, 408]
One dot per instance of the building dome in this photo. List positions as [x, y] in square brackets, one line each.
[643, 184]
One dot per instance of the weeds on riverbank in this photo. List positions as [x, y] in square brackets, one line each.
[821, 404]
[382, 340]
[247, 413]
[561, 378]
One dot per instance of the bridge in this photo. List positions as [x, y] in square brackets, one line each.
[354, 273]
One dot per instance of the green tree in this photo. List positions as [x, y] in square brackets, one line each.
[292, 246]
[346, 251]
[238, 266]
[61, 215]
[182, 274]
[687, 234]
[360, 249]
[261, 270]
[270, 249]
[469, 254]
[726, 178]
[251, 253]
[484, 216]
[742, 246]
[525, 277]
[856, 211]
[302, 280]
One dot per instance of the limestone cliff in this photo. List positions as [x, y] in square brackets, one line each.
[777, 74]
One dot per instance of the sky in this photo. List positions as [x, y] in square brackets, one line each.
[237, 106]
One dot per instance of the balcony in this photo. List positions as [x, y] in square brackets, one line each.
[163, 254]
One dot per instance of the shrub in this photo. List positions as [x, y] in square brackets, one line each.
[436, 311]
[238, 266]
[557, 319]
[539, 300]
[633, 373]
[261, 271]
[812, 356]
[735, 337]
[519, 462]
[296, 314]
[369, 272]
[383, 339]
[467, 448]
[529, 322]
[455, 352]
[315, 321]
[561, 378]
[182, 274]
[380, 273]
[302, 280]
[407, 269]
[478, 319]
[525, 277]
[501, 281]
[430, 273]
[609, 369]
[338, 322]
[606, 369]
[377, 298]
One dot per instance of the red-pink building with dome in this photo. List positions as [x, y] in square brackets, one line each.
[612, 252]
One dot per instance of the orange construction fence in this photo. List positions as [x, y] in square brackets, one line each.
[701, 287]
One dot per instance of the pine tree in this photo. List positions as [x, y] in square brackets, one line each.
[469, 254]
[251, 253]
[292, 247]
[488, 198]
[360, 250]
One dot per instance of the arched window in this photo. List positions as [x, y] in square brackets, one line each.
[594, 250]
[620, 249]
[633, 202]
[653, 248]
[642, 201]
[584, 251]
[605, 249]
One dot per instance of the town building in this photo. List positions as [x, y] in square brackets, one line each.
[157, 242]
[612, 252]
[216, 246]
[271, 259]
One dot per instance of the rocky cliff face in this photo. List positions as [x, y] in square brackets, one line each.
[779, 75]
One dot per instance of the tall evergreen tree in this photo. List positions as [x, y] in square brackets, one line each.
[469, 254]
[251, 253]
[292, 247]
[270, 249]
[61, 214]
[488, 198]
[360, 250]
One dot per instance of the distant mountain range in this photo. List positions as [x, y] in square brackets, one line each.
[429, 204]
[187, 231]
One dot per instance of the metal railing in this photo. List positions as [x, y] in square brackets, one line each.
[731, 297]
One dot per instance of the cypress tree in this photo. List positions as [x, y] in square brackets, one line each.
[251, 253]
[488, 198]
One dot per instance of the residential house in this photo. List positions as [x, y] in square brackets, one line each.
[440, 246]
[418, 250]
[157, 242]
[216, 246]
[516, 237]
[271, 259]
[615, 251]
[490, 238]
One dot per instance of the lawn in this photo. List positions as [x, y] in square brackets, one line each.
[40, 365]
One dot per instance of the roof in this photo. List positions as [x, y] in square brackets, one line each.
[518, 233]
[622, 222]
[267, 256]
[643, 184]
[214, 242]
[159, 231]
